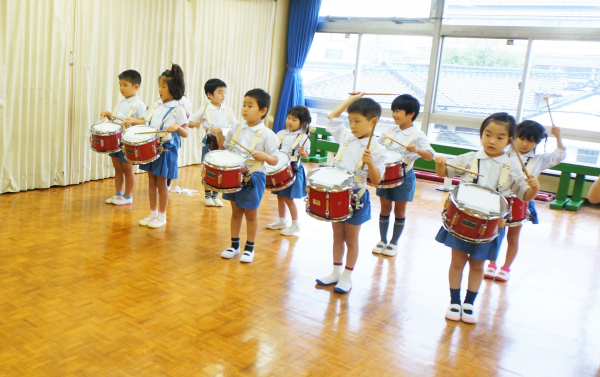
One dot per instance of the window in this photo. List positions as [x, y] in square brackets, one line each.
[587, 156]
[394, 64]
[453, 135]
[569, 73]
[325, 76]
[375, 8]
[541, 13]
[480, 76]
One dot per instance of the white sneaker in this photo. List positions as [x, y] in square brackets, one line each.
[209, 202]
[122, 201]
[247, 257]
[330, 279]
[230, 253]
[110, 200]
[468, 318]
[390, 250]
[453, 312]
[146, 221]
[278, 225]
[490, 272]
[378, 249]
[157, 222]
[503, 275]
[290, 230]
[217, 201]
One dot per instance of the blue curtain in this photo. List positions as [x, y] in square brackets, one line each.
[304, 16]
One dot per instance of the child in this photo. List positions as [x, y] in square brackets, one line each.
[529, 135]
[405, 109]
[498, 173]
[130, 106]
[292, 139]
[252, 134]
[363, 114]
[214, 117]
[165, 114]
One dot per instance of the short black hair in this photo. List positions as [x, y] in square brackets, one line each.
[532, 131]
[212, 85]
[263, 99]
[132, 76]
[175, 81]
[407, 103]
[502, 118]
[365, 107]
[303, 115]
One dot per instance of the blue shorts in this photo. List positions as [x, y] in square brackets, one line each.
[533, 215]
[165, 165]
[298, 189]
[479, 251]
[364, 213]
[121, 156]
[250, 196]
[403, 193]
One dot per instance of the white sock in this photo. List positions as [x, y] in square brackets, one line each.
[162, 215]
[282, 220]
[334, 277]
[295, 223]
[346, 275]
[154, 212]
[345, 282]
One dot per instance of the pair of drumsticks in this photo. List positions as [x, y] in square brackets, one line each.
[308, 131]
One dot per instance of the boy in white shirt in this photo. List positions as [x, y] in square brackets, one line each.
[214, 117]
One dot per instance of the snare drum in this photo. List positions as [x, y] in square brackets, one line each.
[280, 176]
[105, 137]
[476, 215]
[329, 194]
[519, 211]
[394, 171]
[141, 149]
[223, 171]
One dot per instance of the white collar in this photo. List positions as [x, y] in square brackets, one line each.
[294, 132]
[410, 130]
[259, 126]
[531, 153]
[213, 107]
[132, 99]
[173, 103]
[502, 159]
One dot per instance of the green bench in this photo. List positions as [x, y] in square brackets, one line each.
[321, 144]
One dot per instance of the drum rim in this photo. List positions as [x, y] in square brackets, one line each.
[344, 186]
[241, 164]
[283, 167]
[134, 162]
[104, 152]
[470, 212]
[135, 143]
[105, 133]
[225, 168]
[279, 188]
[391, 185]
[329, 220]
[213, 188]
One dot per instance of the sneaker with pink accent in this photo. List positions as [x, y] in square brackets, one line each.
[158, 221]
[145, 221]
[111, 199]
[490, 271]
[122, 201]
[503, 275]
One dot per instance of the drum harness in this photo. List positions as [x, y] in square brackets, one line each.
[503, 174]
[293, 159]
[207, 114]
[255, 165]
[167, 115]
[131, 109]
[407, 164]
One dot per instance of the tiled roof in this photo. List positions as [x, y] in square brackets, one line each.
[461, 89]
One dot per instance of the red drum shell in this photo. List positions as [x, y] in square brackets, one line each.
[105, 142]
[519, 210]
[223, 178]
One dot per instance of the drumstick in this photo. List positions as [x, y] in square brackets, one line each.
[151, 132]
[244, 148]
[378, 94]
[310, 130]
[546, 97]
[512, 144]
[369, 142]
[463, 169]
[400, 144]
[116, 117]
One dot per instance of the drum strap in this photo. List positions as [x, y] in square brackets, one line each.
[257, 136]
[209, 116]
[529, 164]
[150, 113]
[340, 152]
[116, 110]
[504, 173]
[407, 161]
[281, 137]
[170, 112]
[236, 134]
[360, 162]
[387, 142]
[255, 165]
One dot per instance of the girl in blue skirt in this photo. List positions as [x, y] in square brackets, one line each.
[499, 173]
[294, 141]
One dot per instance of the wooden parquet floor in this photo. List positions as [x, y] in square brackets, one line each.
[85, 291]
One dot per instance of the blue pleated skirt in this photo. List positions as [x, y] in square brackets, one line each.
[250, 196]
[364, 213]
[479, 251]
[298, 189]
[121, 156]
[165, 165]
[403, 193]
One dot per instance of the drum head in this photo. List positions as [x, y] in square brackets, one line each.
[224, 158]
[330, 177]
[131, 134]
[480, 199]
[284, 159]
[393, 156]
[106, 127]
